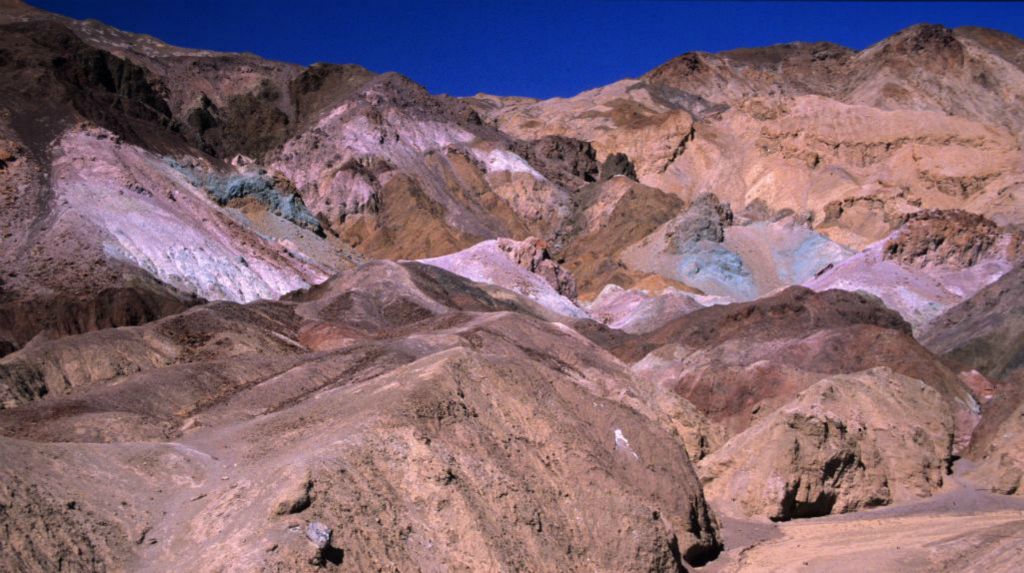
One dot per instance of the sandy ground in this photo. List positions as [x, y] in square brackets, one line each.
[961, 529]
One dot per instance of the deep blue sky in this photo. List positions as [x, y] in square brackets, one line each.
[518, 47]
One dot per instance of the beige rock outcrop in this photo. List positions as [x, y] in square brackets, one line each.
[466, 409]
[1001, 468]
[847, 443]
[996, 443]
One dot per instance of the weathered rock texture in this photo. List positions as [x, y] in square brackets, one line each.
[985, 332]
[532, 254]
[260, 177]
[739, 363]
[996, 442]
[932, 262]
[421, 417]
[524, 267]
[209, 358]
[846, 443]
[953, 238]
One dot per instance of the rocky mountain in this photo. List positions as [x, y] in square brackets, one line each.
[256, 316]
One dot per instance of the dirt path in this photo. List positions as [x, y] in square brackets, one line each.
[960, 529]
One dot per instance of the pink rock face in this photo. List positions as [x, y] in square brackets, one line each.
[982, 388]
[638, 311]
[520, 267]
[932, 262]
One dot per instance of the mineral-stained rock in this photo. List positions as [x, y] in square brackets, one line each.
[849, 442]
[564, 160]
[996, 443]
[611, 216]
[738, 363]
[58, 367]
[705, 250]
[704, 220]
[524, 267]
[637, 310]
[1001, 465]
[931, 263]
[954, 238]
[318, 534]
[532, 254]
[985, 332]
[787, 313]
[981, 387]
[440, 421]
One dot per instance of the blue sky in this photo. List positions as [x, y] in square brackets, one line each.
[527, 47]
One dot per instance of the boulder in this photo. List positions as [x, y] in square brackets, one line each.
[704, 220]
[319, 534]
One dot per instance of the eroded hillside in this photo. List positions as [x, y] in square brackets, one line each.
[256, 316]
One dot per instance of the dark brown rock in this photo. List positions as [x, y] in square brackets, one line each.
[532, 254]
[566, 161]
[985, 332]
[954, 238]
[617, 164]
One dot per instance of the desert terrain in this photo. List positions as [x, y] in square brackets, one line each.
[755, 310]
